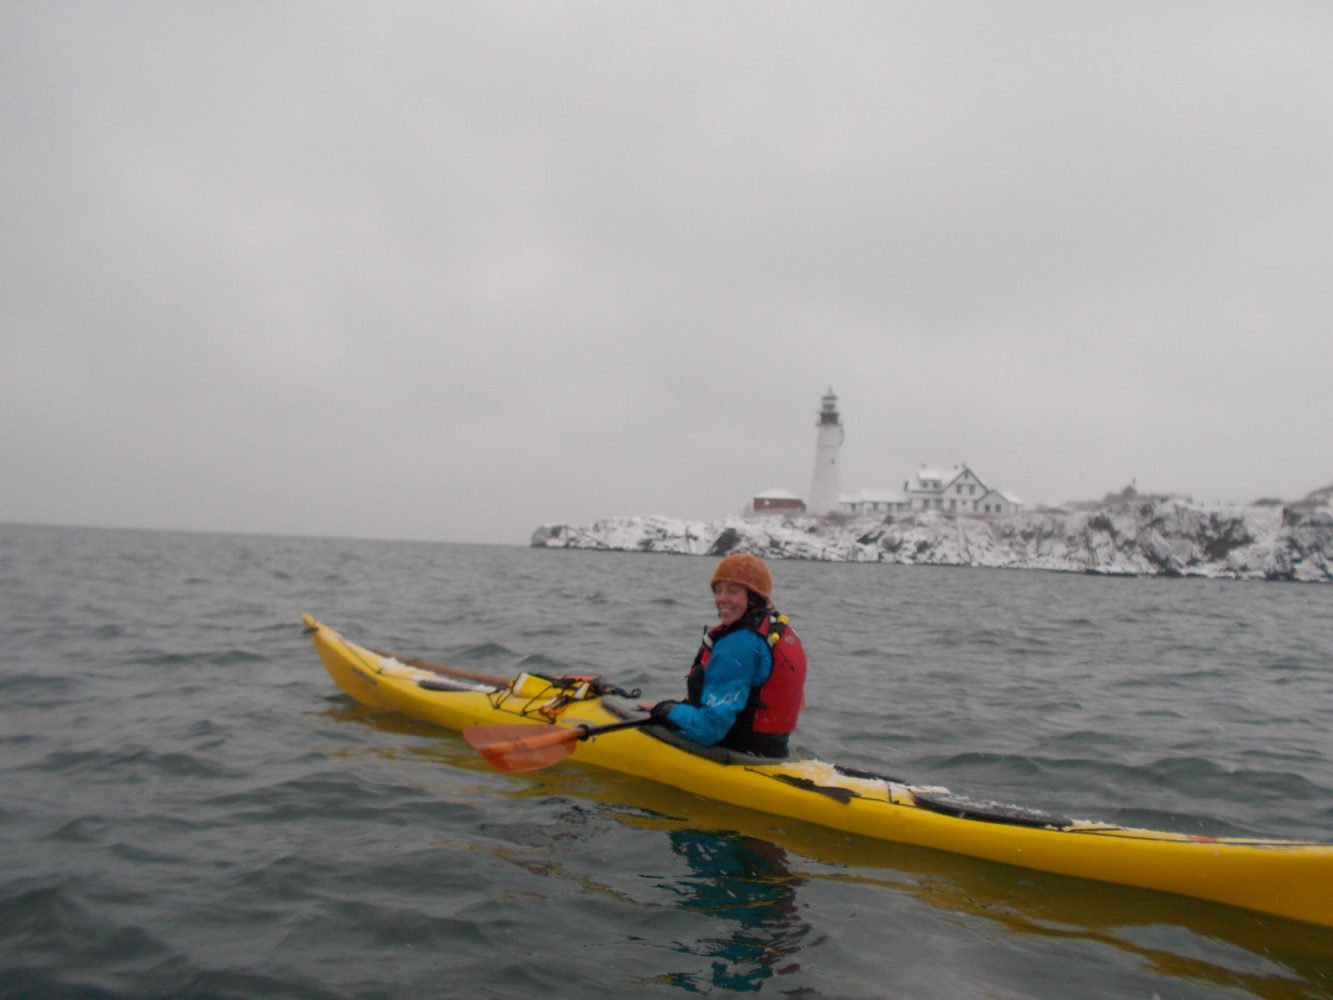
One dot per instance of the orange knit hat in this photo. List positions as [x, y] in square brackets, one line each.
[747, 570]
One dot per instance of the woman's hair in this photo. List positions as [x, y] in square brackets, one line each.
[756, 610]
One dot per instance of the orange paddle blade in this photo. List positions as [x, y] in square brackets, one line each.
[522, 748]
[534, 759]
[508, 739]
[528, 748]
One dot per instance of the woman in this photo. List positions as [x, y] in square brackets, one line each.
[746, 687]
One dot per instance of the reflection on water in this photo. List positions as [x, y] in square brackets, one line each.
[746, 885]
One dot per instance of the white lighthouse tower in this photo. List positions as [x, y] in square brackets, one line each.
[824, 482]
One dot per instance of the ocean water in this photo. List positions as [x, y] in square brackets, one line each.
[192, 809]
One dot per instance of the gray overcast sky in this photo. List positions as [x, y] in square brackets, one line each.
[450, 271]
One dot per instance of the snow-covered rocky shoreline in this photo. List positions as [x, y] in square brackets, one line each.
[1135, 536]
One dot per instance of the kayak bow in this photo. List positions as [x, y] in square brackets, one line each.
[1292, 879]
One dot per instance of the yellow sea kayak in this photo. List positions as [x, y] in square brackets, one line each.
[1292, 879]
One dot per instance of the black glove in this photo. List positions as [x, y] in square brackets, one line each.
[661, 710]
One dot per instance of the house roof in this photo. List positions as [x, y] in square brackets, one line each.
[945, 477]
[923, 473]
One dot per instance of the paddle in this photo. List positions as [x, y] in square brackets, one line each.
[437, 668]
[530, 748]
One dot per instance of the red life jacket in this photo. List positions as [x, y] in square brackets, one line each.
[774, 706]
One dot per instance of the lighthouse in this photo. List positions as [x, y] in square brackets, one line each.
[824, 482]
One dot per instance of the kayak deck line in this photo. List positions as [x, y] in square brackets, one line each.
[941, 800]
[960, 806]
[1285, 878]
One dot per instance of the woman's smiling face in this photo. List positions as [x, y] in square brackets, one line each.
[731, 599]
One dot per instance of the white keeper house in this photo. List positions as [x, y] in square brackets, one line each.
[956, 489]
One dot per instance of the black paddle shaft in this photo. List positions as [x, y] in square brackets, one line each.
[613, 726]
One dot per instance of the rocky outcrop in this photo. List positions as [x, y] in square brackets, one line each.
[1136, 536]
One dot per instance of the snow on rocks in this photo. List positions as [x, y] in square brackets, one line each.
[1142, 536]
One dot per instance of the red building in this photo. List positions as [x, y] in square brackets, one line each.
[778, 502]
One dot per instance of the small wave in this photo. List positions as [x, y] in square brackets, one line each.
[1205, 778]
[1010, 766]
[17, 687]
[1171, 679]
[94, 829]
[130, 765]
[1148, 817]
[1161, 713]
[154, 657]
[1091, 742]
[540, 663]
[482, 653]
[230, 657]
[327, 796]
[84, 830]
[204, 728]
[139, 854]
